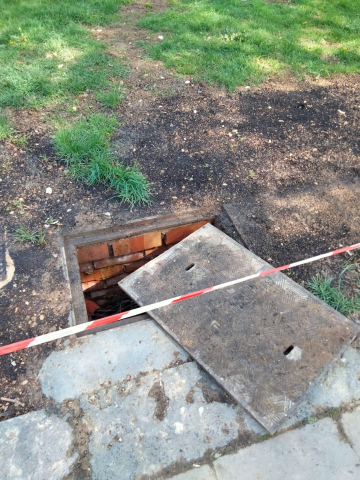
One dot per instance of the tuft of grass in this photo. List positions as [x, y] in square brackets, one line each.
[333, 413]
[48, 52]
[5, 129]
[25, 235]
[111, 98]
[322, 287]
[85, 147]
[240, 43]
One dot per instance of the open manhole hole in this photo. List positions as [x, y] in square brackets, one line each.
[97, 261]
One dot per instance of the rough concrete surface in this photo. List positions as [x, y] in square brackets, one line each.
[127, 436]
[351, 425]
[312, 452]
[97, 360]
[199, 473]
[127, 404]
[34, 447]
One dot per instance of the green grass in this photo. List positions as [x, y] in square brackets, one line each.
[233, 43]
[47, 53]
[25, 235]
[331, 294]
[85, 146]
[5, 129]
[111, 98]
[333, 413]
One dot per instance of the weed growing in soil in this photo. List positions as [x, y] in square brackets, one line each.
[235, 43]
[24, 235]
[111, 98]
[333, 296]
[48, 54]
[5, 129]
[85, 148]
[16, 204]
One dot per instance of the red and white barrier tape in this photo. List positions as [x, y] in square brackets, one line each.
[49, 337]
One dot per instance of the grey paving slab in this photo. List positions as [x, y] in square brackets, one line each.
[202, 473]
[240, 335]
[339, 387]
[313, 452]
[342, 383]
[351, 425]
[107, 357]
[35, 447]
[162, 416]
[148, 423]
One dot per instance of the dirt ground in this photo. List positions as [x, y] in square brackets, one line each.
[286, 151]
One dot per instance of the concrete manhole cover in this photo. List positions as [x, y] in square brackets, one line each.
[265, 341]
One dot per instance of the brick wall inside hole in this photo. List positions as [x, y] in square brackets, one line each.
[103, 265]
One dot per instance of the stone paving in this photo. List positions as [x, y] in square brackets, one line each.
[128, 404]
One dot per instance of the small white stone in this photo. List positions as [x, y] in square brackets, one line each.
[195, 111]
[13, 363]
[49, 190]
[160, 37]
[68, 210]
[108, 214]
[187, 82]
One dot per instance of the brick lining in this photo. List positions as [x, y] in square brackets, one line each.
[102, 266]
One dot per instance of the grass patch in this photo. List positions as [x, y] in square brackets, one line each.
[25, 235]
[333, 413]
[5, 129]
[235, 43]
[111, 98]
[47, 54]
[331, 294]
[85, 147]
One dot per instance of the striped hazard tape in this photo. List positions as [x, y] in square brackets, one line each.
[48, 337]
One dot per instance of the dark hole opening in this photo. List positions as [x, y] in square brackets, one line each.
[116, 303]
[288, 350]
[189, 267]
